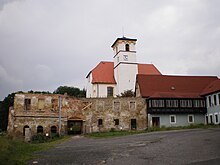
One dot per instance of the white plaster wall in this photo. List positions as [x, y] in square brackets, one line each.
[89, 87]
[125, 77]
[214, 109]
[100, 90]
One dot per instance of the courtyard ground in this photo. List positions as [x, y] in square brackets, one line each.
[196, 146]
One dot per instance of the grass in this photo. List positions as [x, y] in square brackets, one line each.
[153, 129]
[112, 134]
[17, 152]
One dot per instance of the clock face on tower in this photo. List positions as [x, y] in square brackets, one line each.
[125, 57]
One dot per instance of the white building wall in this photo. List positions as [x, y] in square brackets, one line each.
[89, 86]
[125, 75]
[213, 110]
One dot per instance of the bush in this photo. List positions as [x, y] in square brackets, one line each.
[39, 138]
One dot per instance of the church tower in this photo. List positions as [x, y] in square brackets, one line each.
[125, 64]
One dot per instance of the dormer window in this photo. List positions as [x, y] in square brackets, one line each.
[127, 47]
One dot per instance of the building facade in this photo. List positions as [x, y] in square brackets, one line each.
[40, 113]
[113, 78]
[174, 100]
[212, 95]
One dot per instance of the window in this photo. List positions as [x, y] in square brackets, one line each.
[218, 99]
[127, 47]
[211, 120]
[186, 103]
[210, 101]
[190, 118]
[133, 124]
[54, 103]
[215, 100]
[172, 119]
[132, 105]
[125, 57]
[216, 118]
[172, 103]
[26, 126]
[198, 103]
[116, 121]
[53, 129]
[40, 104]
[40, 129]
[99, 122]
[157, 103]
[109, 91]
[27, 104]
[116, 105]
[118, 59]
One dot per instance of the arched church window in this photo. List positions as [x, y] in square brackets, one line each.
[127, 47]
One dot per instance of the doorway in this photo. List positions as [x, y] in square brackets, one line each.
[156, 121]
[133, 124]
[75, 127]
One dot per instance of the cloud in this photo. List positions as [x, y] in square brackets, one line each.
[45, 43]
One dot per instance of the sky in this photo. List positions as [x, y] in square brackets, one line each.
[45, 44]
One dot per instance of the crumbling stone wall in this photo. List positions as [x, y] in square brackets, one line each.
[33, 110]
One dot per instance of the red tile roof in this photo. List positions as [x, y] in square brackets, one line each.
[212, 88]
[163, 86]
[148, 69]
[103, 73]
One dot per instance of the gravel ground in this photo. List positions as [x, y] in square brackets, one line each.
[194, 147]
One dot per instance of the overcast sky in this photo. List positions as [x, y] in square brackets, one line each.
[48, 43]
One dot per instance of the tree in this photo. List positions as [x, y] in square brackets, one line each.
[4, 110]
[71, 91]
[127, 93]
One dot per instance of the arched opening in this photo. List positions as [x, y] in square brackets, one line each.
[26, 126]
[127, 47]
[75, 125]
[53, 129]
[40, 129]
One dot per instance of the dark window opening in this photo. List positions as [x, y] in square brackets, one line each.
[210, 101]
[27, 104]
[216, 118]
[109, 91]
[133, 124]
[53, 129]
[215, 100]
[99, 122]
[40, 129]
[127, 47]
[190, 119]
[26, 126]
[116, 121]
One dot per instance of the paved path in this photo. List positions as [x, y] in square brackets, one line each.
[195, 147]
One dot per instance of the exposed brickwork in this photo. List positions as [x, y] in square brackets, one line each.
[35, 110]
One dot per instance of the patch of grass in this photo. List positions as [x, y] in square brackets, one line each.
[18, 152]
[112, 134]
[191, 126]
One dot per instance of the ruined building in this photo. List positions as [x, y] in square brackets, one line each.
[39, 113]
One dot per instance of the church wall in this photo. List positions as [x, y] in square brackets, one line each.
[127, 78]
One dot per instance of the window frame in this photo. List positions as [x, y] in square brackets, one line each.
[110, 91]
[173, 122]
[192, 119]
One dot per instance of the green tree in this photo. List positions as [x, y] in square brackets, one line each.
[127, 93]
[4, 110]
[71, 91]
